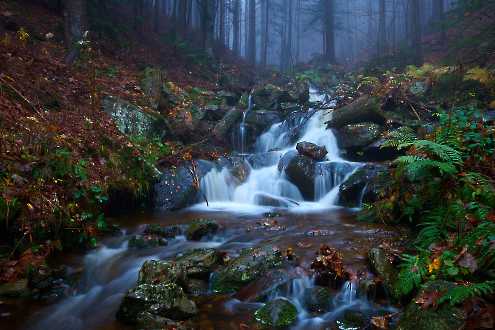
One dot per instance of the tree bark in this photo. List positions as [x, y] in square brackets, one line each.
[75, 22]
[416, 32]
[236, 22]
[252, 32]
[329, 31]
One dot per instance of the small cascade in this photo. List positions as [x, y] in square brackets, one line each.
[266, 185]
[243, 127]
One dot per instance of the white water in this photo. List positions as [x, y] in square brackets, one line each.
[268, 187]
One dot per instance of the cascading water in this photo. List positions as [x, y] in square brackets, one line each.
[241, 136]
[267, 185]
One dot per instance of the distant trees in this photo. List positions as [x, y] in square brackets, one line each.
[75, 21]
[415, 24]
[251, 45]
[329, 30]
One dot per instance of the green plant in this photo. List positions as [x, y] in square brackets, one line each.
[460, 293]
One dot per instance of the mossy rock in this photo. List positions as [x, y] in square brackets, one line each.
[317, 299]
[278, 313]
[165, 300]
[249, 266]
[199, 263]
[155, 272]
[201, 228]
[351, 320]
[146, 242]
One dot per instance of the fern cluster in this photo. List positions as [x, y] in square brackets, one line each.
[443, 186]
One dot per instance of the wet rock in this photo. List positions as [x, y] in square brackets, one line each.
[149, 321]
[239, 169]
[329, 267]
[363, 186]
[285, 159]
[226, 125]
[376, 152]
[368, 288]
[381, 265]
[230, 98]
[133, 120]
[268, 200]
[249, 266]
[270, 97]
[175, 189]
[352, 320]
[163, 231]
[261, 120]
[201, 228]
[312, 150]
[196, 287]
[146, 242]
[260, 160]
[300, 171]
[213, 112]
[317, 299]
[49, 284]
[15, 289]
[156, 272]
[199, 263]
[165, 300]
[445, 317]
[364, 109]
[278, 313]
[358, 135]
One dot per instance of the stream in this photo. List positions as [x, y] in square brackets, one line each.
[264, 209]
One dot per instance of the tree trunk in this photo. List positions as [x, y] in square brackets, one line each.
[382, 37]
[75, 26]
[438, 16]
[236, 22]
[266, 30]
[208, 24]
[252, 32]
[221, 21]
[158, 16]
[416, 32]
[329, 31]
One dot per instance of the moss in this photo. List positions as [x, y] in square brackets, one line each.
[279, 313]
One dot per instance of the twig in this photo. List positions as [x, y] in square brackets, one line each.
[195, 178]
[415, 112]
[15, 93]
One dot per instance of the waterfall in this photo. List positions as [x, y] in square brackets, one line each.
[266, 185]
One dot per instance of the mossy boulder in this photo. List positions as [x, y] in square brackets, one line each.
[358, 135]
[149, 321]
[249, 266]
[278, 313]
[133, 120]
[165, 300]
[317, 299]
[201, 228]
[381, 265]
[146, 241]
[199, 263]
[163, 231]
[364, 109]
[156, 272]
[445, 317]
[312, 150]
[351, 320]
[363, 186]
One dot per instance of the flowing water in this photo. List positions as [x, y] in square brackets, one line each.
[109, 271]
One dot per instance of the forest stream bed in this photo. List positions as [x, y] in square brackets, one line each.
[110, 270]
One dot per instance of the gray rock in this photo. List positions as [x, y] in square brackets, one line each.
[312, 150]
[133, 120]
[364, 109]
[175, 189]
[381, 265]
[363, 186]
[358, 135]
[301, 172]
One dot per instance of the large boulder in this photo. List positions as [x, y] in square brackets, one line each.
[156, 272]
[201, 228]
[165, 300]
[261, 120]
[249, 266]
[445, 317]
[317, 299]
[358, 135]
[364, 109]
[312, 150]
[133, 120]
[199, 263]
[381, 265]
[226, 125]
[278, 313]
[300, 171]
[175, 188]
[363, 186]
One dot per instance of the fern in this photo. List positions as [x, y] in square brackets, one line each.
[413, 270]
[400, 137]
[416, 166]
[461, 293]
[441, 151]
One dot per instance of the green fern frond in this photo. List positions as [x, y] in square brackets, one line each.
[415, 166]
[461, 293]
[441, 151]
[403, 136]
[413, 270]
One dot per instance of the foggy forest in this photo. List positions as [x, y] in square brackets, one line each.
[247, 164]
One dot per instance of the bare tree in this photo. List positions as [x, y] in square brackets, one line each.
[251, 46]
